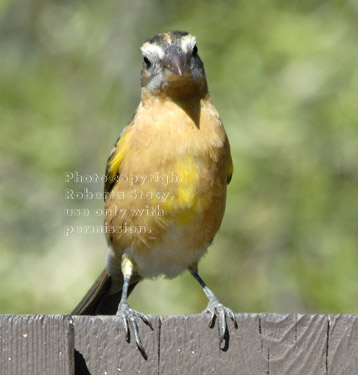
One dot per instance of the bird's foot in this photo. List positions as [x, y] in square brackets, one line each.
[128, 316]
[218, 311]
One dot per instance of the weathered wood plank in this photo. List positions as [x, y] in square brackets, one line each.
[343, 345]
[101, 347]
[188, 346]
[262, 344]
[274, 344]
[36, 344]
[294, 343]
[245, 352]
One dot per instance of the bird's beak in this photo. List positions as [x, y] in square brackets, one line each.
[175, 62]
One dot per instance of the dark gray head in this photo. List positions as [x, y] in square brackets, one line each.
[172, 66]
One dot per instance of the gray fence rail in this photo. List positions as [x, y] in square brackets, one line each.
[267, 344]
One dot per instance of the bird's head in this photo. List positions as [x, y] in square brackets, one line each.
[172, 66]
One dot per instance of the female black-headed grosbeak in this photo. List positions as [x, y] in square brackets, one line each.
[165, 184]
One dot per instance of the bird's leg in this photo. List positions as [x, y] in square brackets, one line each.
[124, 311]
[214, 308]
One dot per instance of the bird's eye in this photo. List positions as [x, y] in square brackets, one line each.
[147, 63]
[195, 50]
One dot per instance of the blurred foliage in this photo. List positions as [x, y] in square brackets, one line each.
[284, 77]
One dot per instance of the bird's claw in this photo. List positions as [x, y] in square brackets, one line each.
[128, 316]
[218, 311]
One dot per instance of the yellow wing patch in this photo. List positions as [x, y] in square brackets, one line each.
[115, 159]
[120, 151]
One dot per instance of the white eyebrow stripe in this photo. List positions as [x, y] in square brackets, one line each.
[187, 43]
[153, 51]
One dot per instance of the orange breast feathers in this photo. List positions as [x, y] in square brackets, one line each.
[170, 167]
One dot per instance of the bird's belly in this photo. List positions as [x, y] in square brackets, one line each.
[175, 252]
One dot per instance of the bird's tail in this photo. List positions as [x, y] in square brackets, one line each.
[98, 300]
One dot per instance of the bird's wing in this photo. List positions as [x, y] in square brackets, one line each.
[115, 159]
[98, 300]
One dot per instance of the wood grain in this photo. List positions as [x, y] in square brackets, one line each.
[343, 345]
[101, 347]
[294, 343]
[36, 344]
[262, 344]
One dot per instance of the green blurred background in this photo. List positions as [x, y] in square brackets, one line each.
[284, 77]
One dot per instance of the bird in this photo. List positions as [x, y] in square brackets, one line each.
[165, 184]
